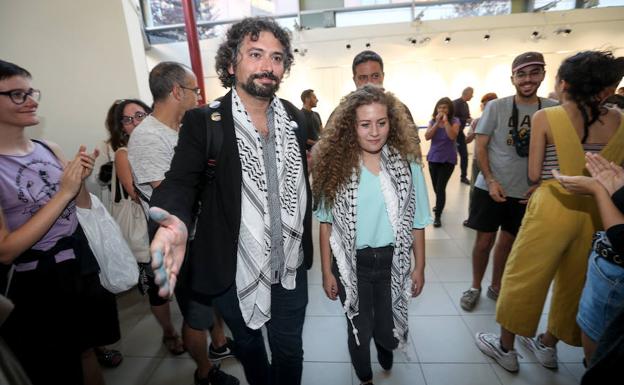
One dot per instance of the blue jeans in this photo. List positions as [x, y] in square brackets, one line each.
[603, 295]
[284, 330]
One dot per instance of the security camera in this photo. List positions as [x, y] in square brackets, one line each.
[486, 37]
[447, 39]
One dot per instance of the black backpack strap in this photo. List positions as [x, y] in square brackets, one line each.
[214, 138]
[45, 145]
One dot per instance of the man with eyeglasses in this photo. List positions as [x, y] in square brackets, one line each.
[502, 188]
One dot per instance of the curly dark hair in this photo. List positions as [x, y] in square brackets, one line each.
[227, 54]
[451, 112]
[587, 74]
[117, 137]
[338, 149]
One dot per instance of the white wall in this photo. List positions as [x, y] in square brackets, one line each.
[82, 54]
[422, 74]
[85, 54]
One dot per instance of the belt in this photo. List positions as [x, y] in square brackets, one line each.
[603, 249]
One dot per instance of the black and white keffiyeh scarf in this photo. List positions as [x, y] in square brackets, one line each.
[253, 266]
[398, 193]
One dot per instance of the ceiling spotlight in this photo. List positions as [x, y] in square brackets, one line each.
[563, 31]
[367, 45]
[348, 46]
[447, 39]
[300, 52]
[534, 35]
[486, 37]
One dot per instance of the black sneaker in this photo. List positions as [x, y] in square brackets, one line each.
[223, 352]
[216, 377]
[384, 356]
[464, 180]
[437, 222]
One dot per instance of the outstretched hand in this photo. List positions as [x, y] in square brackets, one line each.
[610, 175]
[167, 249]
[578, 184]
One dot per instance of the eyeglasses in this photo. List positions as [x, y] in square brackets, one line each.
[139, 116]
[520, 75]
[19, 96]
[196, 90]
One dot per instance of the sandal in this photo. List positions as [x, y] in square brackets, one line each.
[109, 358]
[174, 344]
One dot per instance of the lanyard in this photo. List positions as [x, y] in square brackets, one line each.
[514, 113]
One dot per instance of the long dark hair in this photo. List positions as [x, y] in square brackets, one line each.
[117, 136]
[587, 74]
[451, 113]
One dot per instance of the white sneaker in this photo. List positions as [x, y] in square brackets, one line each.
[489, 344]
[546, 356]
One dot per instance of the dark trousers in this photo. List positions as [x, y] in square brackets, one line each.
[440, 175]
[462, 150]
[374, 320]
[43, 331]
[284, 331]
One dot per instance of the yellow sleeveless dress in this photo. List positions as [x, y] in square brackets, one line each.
[554, 242]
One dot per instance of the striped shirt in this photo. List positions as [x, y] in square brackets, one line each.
[551, 162]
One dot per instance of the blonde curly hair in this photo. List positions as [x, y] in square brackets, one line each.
[337, 154]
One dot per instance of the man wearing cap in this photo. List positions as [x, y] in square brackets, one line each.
[502, 187]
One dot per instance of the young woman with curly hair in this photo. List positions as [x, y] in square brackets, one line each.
[372, 203]
[556, 232]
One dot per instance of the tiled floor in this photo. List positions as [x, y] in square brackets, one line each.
[442, 350]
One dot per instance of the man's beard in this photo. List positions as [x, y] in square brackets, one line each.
[521, 93]
[264, 90]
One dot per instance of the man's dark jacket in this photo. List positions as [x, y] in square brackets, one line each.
[210, 264]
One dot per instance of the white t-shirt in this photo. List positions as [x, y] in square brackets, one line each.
[150, 150]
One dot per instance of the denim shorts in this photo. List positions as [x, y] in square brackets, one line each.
[603, 296]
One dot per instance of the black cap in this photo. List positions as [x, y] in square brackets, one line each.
[527, 59]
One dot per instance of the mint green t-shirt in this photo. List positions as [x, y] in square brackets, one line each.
[372, 226]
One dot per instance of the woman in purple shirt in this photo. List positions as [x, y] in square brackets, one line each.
[61, 310]
[442, 156]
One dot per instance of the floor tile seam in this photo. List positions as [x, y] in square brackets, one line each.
[155, 368]
[468, 252]
[493, 368]
[454, 302]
